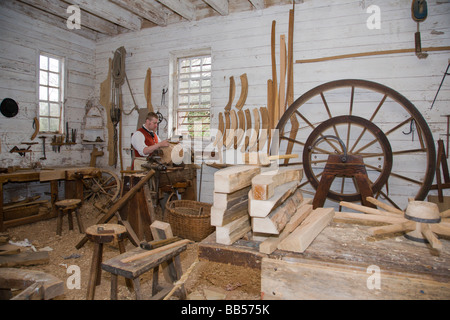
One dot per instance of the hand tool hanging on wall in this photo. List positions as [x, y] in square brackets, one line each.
[419, 13]
[118, 77]
[43, 147]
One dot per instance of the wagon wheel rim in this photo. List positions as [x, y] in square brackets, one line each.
[388, 110]
[105, 186]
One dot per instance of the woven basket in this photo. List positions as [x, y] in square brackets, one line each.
[190, 219]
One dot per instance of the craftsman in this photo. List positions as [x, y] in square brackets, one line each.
[145, 140]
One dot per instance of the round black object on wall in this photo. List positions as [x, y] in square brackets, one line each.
[9, 107]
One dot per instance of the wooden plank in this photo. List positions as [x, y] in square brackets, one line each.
[20, 279]
[301, 238]
[264, 184]
[278, 218]
[120, 203]
[233, 231]
[24, 259]
[303, 279]
[270, 245]
[221, 217]
[233, 178]
[261, 208]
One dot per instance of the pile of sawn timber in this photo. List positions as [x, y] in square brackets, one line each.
[268, 203]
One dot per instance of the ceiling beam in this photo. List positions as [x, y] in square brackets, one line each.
[221, 6]
[49, 18]
[151, 11]
[88, 20]
[111, 12]
[183, 8]
[258, 4]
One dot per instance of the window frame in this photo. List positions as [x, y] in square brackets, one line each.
[61, 96]
[175, 57]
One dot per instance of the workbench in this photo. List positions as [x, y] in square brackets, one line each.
[50, 175]
[343, 262]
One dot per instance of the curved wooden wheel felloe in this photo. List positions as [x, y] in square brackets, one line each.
[373, 121]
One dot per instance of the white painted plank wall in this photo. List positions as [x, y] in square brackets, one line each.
[22, 38]
[240, 43]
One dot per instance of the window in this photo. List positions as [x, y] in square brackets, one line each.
[193, 96]
[51, 93]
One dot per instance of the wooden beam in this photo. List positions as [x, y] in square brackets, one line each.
[300, 239]
[88, 20]
[261, 208]
[371, 53]
[264, 184]
[233, 231]
[147, 10]
[221, 6]
[111, 12]
[20, 279]
[120, 203]
[183, 8]
[234, 178]
[278, 218]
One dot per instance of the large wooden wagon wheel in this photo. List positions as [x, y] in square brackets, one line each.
[366, 119]
[102, 188]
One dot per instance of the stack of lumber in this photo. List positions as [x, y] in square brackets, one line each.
[229, 213]
[268, 203]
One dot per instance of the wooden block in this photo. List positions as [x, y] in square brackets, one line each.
[261, 208]
[270, 245]
[20, 279]
[220, 217]
[24, 259]
[264, 184]
[234, 178]
[301, 238]
[228, 200]
[278, 218]
[233, 231]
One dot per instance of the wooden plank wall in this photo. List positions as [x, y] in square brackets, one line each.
[22, 38]
[240, 43]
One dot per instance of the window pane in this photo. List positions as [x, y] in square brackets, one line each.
[43, 124]
[43, 109]
[54, 79]
[54, 124]
[43, 93]
[43, 62]
[43, 78]
[53, 94]
[54, 65]
[54, 110]
[207, 60]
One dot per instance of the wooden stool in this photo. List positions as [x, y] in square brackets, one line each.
[100, 234]
[68, 206]
[132, 270]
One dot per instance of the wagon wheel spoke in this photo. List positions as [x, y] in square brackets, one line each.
[358, 105]
[105, 187]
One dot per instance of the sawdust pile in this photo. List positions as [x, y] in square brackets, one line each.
[207, 280]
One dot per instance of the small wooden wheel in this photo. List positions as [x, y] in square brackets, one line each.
[347, 109]
[105, 186]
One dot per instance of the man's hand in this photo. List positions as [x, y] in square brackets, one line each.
[164, 143]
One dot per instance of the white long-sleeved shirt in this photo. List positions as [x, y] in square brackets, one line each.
[138, 142]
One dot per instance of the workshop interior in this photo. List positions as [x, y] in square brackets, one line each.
[224, 150]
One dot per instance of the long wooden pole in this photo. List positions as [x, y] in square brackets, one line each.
[157, 250]
[120, 203]
[371, 53]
